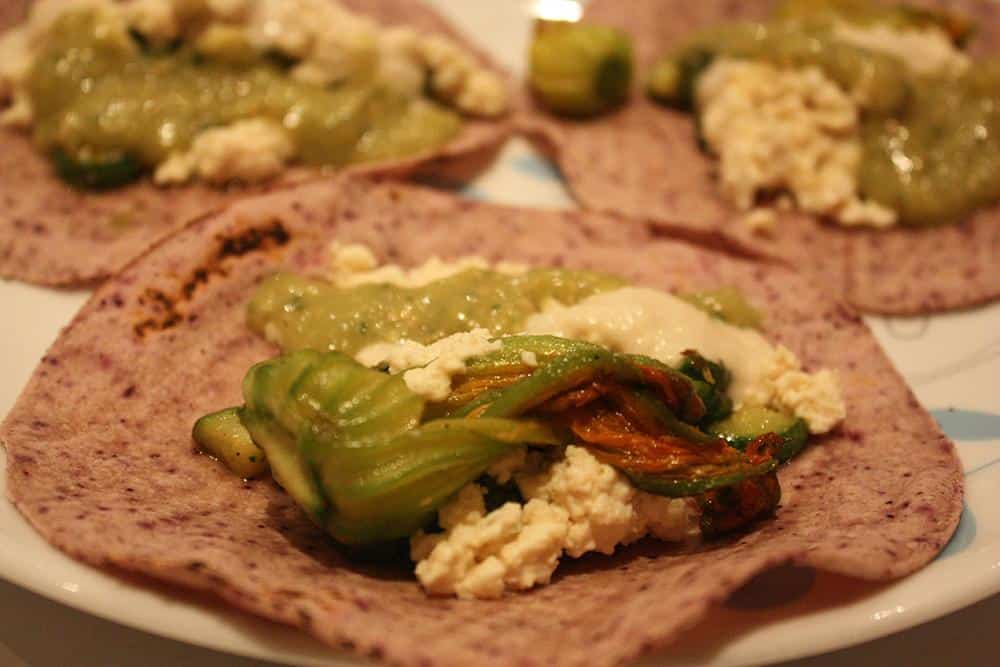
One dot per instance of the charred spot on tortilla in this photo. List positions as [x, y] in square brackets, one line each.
[167, 311]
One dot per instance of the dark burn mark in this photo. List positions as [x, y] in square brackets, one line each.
[167, 309]
[254, 239]
[199, 277]
[129, 391]
[160, 302]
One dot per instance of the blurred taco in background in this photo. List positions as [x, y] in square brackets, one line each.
[121, 121]
[854, 140]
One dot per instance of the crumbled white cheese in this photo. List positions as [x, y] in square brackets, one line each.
[467, 507]
[431, 367]
[481, 554]
[596, 497]
[760, 220]
[156, 20]
[456, 78]
[434, 269]
[777, 129]
[640, 320]
[529, 358]
[350, 259]
[504, 468]
[248, 151]
[400, 64]
[574, 505]
[817, 397]
[927, 50]
[668, 519]
[531, 559]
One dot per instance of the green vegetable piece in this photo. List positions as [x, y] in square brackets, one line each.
[672, 79]
[699, 479]
[290, 398]
[103, 174]
[586, 362]
[358, 402]
[580, 69]
[346, 442]
[222, 435]
[558, 376]
[692, 407]
[391, 488]
[751, 422]
[287, 467]
[509, 358]
[508, 362]
[650, 412]
[714, 374]
[728, 304]
[665, 81]
[273, 422]
[711, 380]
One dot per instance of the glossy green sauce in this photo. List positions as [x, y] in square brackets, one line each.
[930, 143]
[728, 304]
[302, 313]
[866, 13]
[939, 158]
[99, 99]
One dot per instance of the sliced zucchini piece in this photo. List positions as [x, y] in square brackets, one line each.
[96, 175]
[748, 423]
[286, 465]
[222, 435]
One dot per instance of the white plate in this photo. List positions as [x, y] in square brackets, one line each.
[952, 361]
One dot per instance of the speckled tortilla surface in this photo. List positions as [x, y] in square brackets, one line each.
[53, 234]
[101, 462]
[644, 161]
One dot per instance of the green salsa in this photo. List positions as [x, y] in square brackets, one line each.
[728, 304]
[302, 313]
[938, 159]
[929, 142]
[104, 102]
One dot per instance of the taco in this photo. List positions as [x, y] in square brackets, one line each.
[83, 192]
[898, 245]
[101, 459]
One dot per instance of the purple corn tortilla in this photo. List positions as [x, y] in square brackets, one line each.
[101, 462]
[52, 234]
[643, 161]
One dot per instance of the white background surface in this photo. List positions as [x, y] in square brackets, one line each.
[952, 361]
